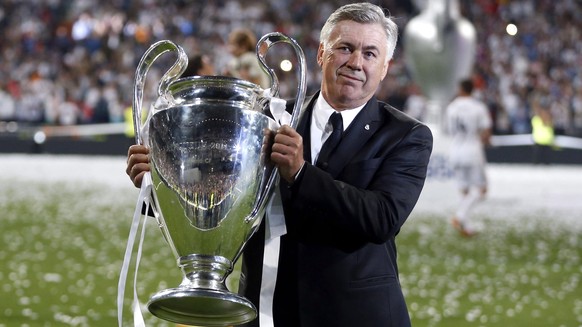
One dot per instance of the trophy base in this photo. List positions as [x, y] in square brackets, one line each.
[201, 307]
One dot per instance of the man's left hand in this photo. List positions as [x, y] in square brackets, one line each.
[287, 152]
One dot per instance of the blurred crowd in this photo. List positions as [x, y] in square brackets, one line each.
[73, 62]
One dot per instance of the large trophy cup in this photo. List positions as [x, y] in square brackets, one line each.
[439, 50]
[209, 140]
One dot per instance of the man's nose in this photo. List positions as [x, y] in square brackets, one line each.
[355, 60]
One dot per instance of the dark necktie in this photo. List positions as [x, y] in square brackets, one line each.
[332, 141]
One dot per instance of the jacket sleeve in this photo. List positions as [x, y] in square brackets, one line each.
[370, 199]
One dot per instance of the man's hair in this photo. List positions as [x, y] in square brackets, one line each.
[364, 13]
[466, 85]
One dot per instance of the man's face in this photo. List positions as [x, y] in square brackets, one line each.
[353, 63]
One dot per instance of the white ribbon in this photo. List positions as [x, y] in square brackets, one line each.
[138, 220]
[277, 108]
[274, 229]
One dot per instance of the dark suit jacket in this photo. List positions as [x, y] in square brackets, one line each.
[337, 265]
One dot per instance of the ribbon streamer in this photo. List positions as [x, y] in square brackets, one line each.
[277, 108]
[274, 229]
[138, 222]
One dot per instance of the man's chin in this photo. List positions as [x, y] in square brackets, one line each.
[348, 100]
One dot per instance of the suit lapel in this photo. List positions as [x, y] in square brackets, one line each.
[303, 127]
[366, 123]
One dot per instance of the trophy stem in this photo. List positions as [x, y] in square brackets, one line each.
[205, 271]
[202, 298]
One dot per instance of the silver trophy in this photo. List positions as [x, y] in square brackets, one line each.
[210, 140]
[439, 49]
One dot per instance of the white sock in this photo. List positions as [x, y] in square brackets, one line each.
[467, 203]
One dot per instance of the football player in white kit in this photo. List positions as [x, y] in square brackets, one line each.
[469, 125]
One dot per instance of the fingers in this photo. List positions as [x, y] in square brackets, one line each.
[137, 148]
[135, 155]
[287, 152]
[286, 146]
[287, 143]
[137, 176]
[136, 172]
[138, 163]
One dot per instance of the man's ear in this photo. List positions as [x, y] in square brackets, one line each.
[320, 51]
[385, 69]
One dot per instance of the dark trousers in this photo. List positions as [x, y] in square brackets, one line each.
[542, 154]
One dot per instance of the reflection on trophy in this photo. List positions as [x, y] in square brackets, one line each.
[210, 141]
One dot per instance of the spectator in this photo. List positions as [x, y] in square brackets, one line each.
[78, 39]
[199, 65]
[7, 106]
[245, 64]
[542, 133]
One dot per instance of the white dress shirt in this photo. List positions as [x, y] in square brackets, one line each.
[320, 129]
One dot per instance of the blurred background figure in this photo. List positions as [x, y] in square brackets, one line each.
[469, 123]
[7, 104]
[199, 65]
[52, 46]
[542, 126]
[245, 65]
[416, 103]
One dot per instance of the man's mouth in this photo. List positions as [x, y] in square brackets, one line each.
[350, 77]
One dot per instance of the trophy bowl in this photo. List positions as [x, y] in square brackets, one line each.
[210, 173]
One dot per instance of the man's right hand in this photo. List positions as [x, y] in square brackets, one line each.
[138, 163]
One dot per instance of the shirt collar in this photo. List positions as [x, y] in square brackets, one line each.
[322, 111]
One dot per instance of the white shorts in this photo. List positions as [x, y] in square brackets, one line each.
[470, 176]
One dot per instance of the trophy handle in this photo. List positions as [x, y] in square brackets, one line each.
[154, 52]
[263, 46]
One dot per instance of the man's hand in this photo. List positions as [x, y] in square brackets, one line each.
[287, 152]
[138, 163]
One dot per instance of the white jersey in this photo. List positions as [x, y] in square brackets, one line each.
[466, 118]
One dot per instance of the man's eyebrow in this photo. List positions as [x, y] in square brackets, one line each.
[371, 47]
[367, 48]
[345, 44]
[351, 45]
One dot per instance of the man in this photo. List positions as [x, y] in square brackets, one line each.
[469, 124]
[337, 262]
